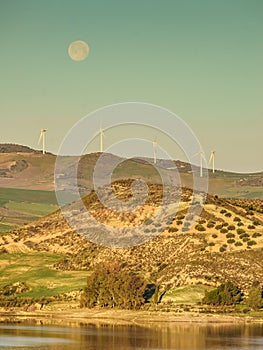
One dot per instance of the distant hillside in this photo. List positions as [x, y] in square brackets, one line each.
[14, 148]
[24, 168]
[225, 244]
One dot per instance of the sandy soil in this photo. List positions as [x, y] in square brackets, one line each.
[121, 317]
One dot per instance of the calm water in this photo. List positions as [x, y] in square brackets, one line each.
[172, 336]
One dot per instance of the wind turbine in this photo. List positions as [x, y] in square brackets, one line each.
[101, 139]
[154, 150]
[212, 159]
[43, 137]
[201, 155]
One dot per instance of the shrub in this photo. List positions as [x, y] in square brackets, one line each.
[201, 221]
[231, 241]
[237, 219]
[225, 224]
[211, 244]
[172, 229]
[230, 235]
[224, 230]
[228, 215]
[199, 227]
[148, 222]
[243, 235]
[223, 211]
[179, 222]
[250, 243]
[218, 227]
[256, 223]
[180, 217]
[214, 235]
[231, 227]
[222, 249]
[256, 234]
[240, 224]
[240, 231]
[245, 239]
[238, 244]
[251, 227]
[210, 225]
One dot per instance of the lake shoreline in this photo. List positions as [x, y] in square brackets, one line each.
[121, 317]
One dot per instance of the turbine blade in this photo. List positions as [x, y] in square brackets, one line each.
[40, 137]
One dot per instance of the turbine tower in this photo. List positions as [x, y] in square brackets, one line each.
[154, 151]
[101, 139]
[201, 155]
[43, 138]
[212, 159]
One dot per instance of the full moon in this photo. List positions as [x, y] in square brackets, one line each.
[78, 50]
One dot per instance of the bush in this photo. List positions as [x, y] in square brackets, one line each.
[223, 211]
[214, 235]
[256, 234]
[237, 219]
[231, 241]
[238, 244]
[231, 227]
[222, 249]
[256, 223]
[228, 215]
[230, 235]
[210, 225]
[224, 230]
[179, 222]
[243, 235]
[251, 227]
[218, 227]
[180, 217]
[172, 229]
[211, 244]
[240, 231]
[250, 243]
[240, 224]
[200, 227]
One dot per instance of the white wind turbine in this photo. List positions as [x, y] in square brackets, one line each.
[154, 151]
[43, 138]
[201, 155]
[101, 139]
[212, 159]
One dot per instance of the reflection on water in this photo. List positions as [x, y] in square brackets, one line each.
[157, 337]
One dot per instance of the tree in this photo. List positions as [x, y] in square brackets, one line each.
[112, 286]
[226, 294]
[255, 296]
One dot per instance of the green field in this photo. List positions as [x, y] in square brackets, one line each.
[35, 269]
[186, 294]
[20, 206]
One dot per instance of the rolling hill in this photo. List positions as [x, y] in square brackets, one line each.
[24, 168]
[226, 243]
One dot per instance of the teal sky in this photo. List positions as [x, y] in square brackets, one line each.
[202, 59]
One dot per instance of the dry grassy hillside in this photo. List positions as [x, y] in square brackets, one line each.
[225, 244]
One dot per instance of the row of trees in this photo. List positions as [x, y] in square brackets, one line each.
[111, 285]
[229, 294]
